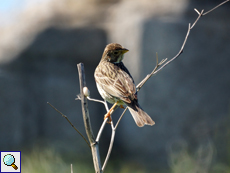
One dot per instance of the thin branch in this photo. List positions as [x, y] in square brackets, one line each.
[101, 129]
[139, 86]
[69, 122]
[156, 69]
[86, 118]
[216, 7]
[95, 100]
[182, 47]
[78, 97]
[100, 101]
[110, 146]
[103, 125]
[121, 117]
[71, 168]
[111, 140]
[199, 15]
[197, 11]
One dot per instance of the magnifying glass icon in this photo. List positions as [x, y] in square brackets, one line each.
[9, 160]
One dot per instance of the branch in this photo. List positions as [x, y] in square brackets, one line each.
[199, 15]
[156, 70]
[86, 118]
[87, 94]
[216, 7]
[101, 130]
[121, 117]
[69, 122]
[100, 101]
[71, 168]
[110, 146]
[138, 87]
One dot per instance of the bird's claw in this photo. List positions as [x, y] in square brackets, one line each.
[121, 106]
[109, 118]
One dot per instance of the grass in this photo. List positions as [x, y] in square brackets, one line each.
[48, 161]
[180, 161]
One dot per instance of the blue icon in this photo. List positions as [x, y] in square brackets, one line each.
[9, 160]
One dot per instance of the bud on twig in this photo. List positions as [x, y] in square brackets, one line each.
[86, 92]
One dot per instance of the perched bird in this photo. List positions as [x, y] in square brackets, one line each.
[116, 85]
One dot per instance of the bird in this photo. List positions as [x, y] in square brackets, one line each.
[116, 85]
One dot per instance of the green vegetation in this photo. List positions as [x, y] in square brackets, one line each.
[47, 161]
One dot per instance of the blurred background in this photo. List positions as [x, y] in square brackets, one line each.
[43, 40]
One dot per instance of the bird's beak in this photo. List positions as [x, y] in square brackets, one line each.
[124, 50]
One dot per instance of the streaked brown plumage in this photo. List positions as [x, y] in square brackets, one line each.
[116, 85]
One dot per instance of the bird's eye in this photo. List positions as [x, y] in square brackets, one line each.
[115, 52]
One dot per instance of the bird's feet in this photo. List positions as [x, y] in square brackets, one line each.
[108, 115]
[122, 107]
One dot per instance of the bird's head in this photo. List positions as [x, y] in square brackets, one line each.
[114, 53]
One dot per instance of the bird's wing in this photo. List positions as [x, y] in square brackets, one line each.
[116, 82]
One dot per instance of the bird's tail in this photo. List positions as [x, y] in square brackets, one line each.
[140, 116]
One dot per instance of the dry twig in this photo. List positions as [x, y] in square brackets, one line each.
[69, 123]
